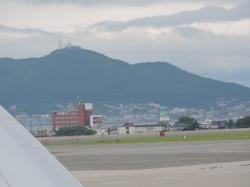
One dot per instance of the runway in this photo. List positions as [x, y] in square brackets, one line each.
[189, 164]
[222, 175]
[149, 156]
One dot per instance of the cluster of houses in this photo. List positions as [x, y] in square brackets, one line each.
[131, 128]
[83, 116]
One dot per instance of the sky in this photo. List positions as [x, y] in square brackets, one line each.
[207, 37]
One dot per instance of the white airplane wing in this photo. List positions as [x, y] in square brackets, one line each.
[25, 162]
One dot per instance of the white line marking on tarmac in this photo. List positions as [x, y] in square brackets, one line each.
[109, 183]
[163, 178]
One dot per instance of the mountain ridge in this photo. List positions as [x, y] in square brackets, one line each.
[65, 75]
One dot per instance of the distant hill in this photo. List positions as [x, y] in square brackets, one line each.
[37, 84]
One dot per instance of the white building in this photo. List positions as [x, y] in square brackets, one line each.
[139, 129]
[149, 128]
[41, 131]
[101, 132]
[88, 106]
[125, 130]
[205, 124]
[96, 121]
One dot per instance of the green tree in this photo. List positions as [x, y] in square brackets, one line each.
[230, 124]
[243, 122]
[190, 122]
[74, 131]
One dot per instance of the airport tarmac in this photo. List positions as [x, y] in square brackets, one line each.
[229, 174]
[188, 164]
[150, 156]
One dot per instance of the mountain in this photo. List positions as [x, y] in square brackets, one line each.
[37, 84]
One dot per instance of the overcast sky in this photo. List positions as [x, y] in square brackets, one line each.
[207, 37]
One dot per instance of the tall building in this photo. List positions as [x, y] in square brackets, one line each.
[88, 112]
[73, 118]
[164, 115]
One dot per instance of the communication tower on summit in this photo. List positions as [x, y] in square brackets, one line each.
[60, 44]
[69, 43]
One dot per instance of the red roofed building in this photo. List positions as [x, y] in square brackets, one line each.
[73, 118]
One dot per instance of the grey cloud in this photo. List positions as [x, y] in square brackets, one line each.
[25, 30]
[25, 47]
[192, 49]
[197, 51]
[121, 2]
[200, 52]
[206, 14]
[210, 45]
[94, 2]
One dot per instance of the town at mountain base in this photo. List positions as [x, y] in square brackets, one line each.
[72, 73]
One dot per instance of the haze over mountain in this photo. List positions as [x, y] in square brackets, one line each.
[136, 31]
[68, 74]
